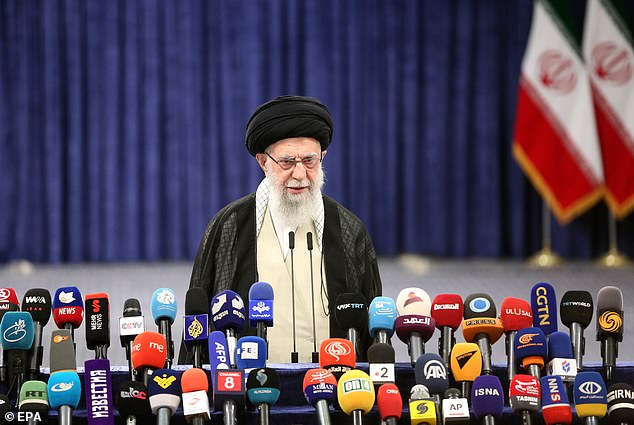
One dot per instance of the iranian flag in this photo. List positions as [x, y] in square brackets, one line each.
[555, 135]
[607, 49]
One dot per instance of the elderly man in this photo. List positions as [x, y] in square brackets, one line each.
[248, 240]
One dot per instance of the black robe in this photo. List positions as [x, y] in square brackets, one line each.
[227, 257]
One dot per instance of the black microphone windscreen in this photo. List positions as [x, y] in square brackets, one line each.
[5, 405]
[132, 400]
[380, 352]
[609, 298]
[291, 240]
[479, 305]
[196, 301]
[351, 311]
[263, 378]
[576, 307]
[620, 403]
[37, 301]
[62, 351]
[97, 311]
[131, 308]
[309, 241]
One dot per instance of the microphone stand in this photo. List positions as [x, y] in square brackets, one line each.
[165, 329]
[578, 343]
[291, 246]
[36, 352]
[445, 342]
[510, 353]
[357, 417]
[315, 354]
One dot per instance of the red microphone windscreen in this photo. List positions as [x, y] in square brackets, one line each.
[516, 314]
[336, 351]
[388, 400]
[447, 310]
[194, 379]
[9, 295]
[73, 314]
[149, 350]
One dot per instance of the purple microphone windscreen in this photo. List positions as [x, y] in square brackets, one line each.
[559, 346]
[544, 306]
[487, 396]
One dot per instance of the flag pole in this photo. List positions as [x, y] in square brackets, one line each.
[545, 257]
[612, 258]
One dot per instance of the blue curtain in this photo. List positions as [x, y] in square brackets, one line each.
[122, 122]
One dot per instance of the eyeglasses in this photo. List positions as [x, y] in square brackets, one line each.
[309, 162]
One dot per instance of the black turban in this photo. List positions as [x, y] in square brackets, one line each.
[285, 117]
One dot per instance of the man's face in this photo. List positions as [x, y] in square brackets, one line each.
[299, 179]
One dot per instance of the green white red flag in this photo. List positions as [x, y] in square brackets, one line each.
[555, 139]
[609, 56]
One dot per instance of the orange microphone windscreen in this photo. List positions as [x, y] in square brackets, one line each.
[149, 350]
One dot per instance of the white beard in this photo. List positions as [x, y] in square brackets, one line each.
[295, 209]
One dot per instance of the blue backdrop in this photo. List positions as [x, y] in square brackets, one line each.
[122, 122]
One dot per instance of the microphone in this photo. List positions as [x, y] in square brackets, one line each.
[228, 393]
[227, 309]
[218, 356]
[148, 353]
[164, 308]
[447, 311]
[132, 402]
[431, 372]
[130, 325]
[382, 314]
[355, 394]
[98, 324]
[455, 409]
[389, 403]
[62, 351]
[98, 390]
[481, 326]
[590, 397]
[620, 404]
[8, 302]
[466, 364]
[64, 393]
[351, 313]
[531, 349]
[515, 314]
[251, 352]
[33, 401]
[320, 387]
[560, 361]
[576, 314]
[524, 396]
[422, 408]
[195, 386]
[414, 325]
[196, 323]
[309, 245]
[609, 326]
[487, 399]
[261, 308]
[164, 391]
[68, 308]
[555, 406]
[263, 390]
[17, 333]
[544, 307]
[381, 359]
[336, 355]
[291, 247]
[37, 302]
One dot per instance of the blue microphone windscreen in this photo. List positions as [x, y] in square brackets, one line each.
[16, 330]
[165, 381]
[430, 371]
[164, 305]
[553, 390]
[530, 342]
[559, 346]
[382, 314]
[261, 291]
[64, 389]
[227, 311]
[590, 389]
[487, 396]
[261, 304]
[250, 352]
[544, 306]
[68, 296]
[218, 352]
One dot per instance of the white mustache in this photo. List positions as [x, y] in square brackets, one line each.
[298, 183]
